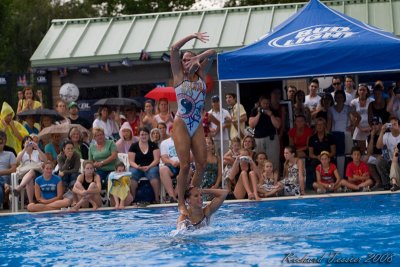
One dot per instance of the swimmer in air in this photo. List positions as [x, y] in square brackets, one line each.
[188, 73]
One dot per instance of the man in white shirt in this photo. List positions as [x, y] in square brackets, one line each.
[313, 100]
[337, 86]
[216, 125]
[169, 168]
[390, 140]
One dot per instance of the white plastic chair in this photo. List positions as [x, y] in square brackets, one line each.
[15, 199]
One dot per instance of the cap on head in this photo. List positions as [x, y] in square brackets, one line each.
[215, 98]
[72, 104]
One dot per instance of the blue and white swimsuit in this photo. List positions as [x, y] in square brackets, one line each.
[190, 98]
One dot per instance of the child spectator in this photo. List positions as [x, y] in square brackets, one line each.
[229, 159]
[328, 178]
[268, 185]
[118, 186]
[357, 173]
[293, 182]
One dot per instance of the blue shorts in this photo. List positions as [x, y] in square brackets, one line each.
[152, 173]
[174, 170]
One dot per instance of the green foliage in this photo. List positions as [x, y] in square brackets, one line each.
[234, 3]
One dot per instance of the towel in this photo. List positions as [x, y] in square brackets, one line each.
[118, 184]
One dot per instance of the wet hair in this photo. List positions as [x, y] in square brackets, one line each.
[188, 192]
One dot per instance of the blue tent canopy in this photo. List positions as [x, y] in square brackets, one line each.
[316, 41]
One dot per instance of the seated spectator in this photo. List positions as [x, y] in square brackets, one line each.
[46, 121]
[395, 170]
[170, 168]
[53, 148]
[299, 136]
[31, 153]
[103, 154]
[163, 130]
[69, 164]
[28, 101]
[229, 159]
[239, 183]
[30, 125]
[357, 173]
[61, 108]
[212, 172]
[7, 166]
[133, 119]
[14, 130]
[373, 153]
[389, 140]
[108, 124]
[261, 157]
[87, 188]
[267, 185]
[328, 178]
[293, 182]
[144, 157]
[49, 191]
[155, 136]
[249, 143]
[126, 138]
[80, 146]
[119, 186]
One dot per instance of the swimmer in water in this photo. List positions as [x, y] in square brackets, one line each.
[199, 216]
[190, 88]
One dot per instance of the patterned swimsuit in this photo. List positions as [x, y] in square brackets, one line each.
[190, 98]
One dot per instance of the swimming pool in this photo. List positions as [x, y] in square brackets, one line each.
[241, 234]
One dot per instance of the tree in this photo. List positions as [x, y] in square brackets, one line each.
[234, 3]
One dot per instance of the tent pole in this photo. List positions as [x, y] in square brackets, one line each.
[238, 110]
[221, 131]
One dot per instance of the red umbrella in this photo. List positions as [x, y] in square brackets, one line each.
[162, 92]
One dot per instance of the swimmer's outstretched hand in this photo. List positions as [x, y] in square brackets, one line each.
[182, 209]
[202, 36]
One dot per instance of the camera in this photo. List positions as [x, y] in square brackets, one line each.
[244, 159]
[30, 143]
[388, 125]
[261, 110]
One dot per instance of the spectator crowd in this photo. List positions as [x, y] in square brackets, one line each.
[343, 138]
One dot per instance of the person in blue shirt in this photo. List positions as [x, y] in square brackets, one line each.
[49, 191]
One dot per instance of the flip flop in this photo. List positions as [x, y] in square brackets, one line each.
[16, 192]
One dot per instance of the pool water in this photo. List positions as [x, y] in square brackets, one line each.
[356, 228]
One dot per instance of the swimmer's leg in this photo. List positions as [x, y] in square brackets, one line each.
[182, 140]
[199, 152]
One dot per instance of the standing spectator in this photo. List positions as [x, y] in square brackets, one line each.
[299, 136]
[28, 102]
[7, 166]
[104, 155]
[126, 138]
[144, 157]
[14, 130]
[291, 92]
[393, 106]
[69, 164]
[236, 109]
[313, 99]
[266, 121]
[349, 86]
[80, 146]
[74, 117]
[170, 168]
[48, 191]
[104, 122]
[363, 129]
[378, 108]
[299, 108]
[325, 104]
[357, 173]
[216, 126]
[390, 140]
[164, 115]
[147, 117]
[337, 86]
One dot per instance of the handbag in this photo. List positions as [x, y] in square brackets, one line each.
[27, 166]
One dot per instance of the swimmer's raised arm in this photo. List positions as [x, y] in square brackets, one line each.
[216, 202]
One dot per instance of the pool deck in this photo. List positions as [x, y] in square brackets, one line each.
[308, 196]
